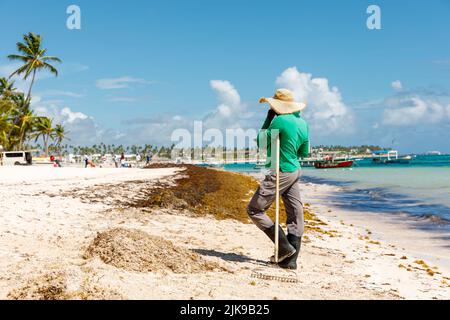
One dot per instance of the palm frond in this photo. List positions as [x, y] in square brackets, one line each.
[18, 57]
[51, 58]
[51, 68]
[19, 71]
[21, 47]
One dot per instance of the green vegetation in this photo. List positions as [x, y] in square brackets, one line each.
[33, 58]
[103, 148]
[364, 149]
[18, 122]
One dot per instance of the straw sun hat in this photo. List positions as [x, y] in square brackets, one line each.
[283, 102]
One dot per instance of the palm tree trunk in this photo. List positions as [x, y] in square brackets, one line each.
[58, 147]
[22, 135]
[46, 138]
[28, 100]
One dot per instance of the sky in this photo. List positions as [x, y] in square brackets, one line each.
[137, 70]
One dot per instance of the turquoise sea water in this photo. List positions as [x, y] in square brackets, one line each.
[420, 189]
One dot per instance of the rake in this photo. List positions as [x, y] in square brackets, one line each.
[282, 277]
[292, 278]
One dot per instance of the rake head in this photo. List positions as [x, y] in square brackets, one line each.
[277, 274]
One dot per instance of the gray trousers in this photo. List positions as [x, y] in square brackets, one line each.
[265, 196]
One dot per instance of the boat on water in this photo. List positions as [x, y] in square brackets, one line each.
[390, 157]
[334, 164]
[308, 162]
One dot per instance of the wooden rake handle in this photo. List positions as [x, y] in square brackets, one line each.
[277, 197]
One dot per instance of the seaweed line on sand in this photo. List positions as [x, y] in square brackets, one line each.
[221, 194]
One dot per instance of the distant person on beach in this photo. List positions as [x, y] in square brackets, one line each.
[148, 158]
[116, 160]
[86, 160]
[284, 116]
[55, 161]
[122, 160]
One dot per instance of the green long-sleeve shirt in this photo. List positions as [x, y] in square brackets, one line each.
[294, 140]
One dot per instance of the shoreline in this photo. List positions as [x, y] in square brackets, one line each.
[399, 230]
[402, 230]
[52, 218]
[425, 238]
[390, 199]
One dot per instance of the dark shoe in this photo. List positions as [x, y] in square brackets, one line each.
[291, 262]
[285, 249]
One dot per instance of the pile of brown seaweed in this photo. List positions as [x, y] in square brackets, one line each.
[205, 191]
[135, 250]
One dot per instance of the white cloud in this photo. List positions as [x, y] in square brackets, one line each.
[120, 83]
[326, 112]
[226, 92]
[230, 113]
[230, 109]
[413, 110]
[406, 115]
[397, 85]
[156, 130]
[82, 129]
[64, 116]
[71, 117]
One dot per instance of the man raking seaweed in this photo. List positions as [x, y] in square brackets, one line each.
[285, 127]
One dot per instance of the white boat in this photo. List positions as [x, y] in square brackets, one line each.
[433, 153]
[390, 157]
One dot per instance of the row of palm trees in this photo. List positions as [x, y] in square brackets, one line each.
[102, 148]
[18, 122]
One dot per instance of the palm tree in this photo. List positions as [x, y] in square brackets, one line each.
[6, 106]
[60, 134]
[44, 128]
[18, 111]
[8, 110]
[33, 58]
[4, 125]
[27, 120]
[7, 88]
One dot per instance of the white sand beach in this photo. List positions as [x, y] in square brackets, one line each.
[50, 216]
